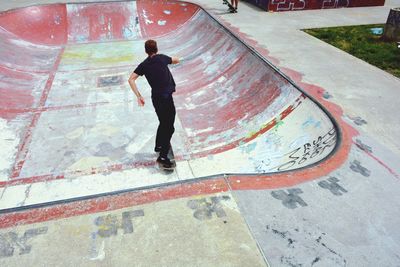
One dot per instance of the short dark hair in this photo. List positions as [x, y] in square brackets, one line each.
[151, 47]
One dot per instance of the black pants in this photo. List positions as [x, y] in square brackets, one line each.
[165, 110]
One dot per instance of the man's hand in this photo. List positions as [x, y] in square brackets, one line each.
[175, 60]
[132, 83]
[140, 101]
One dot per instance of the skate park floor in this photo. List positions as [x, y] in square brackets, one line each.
[342, 210]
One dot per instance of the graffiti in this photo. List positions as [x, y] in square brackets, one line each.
[10, 241]
[205, 209]
[309, 150]
[108, 225]
[290, 199]
[355, 166]
[285, 5]
[332, 185]
[311, 122]
[335, 3]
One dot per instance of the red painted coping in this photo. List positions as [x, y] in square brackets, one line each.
[112, 202]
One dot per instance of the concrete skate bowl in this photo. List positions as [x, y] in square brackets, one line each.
[66, 109]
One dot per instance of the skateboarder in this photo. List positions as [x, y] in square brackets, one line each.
[155, 69]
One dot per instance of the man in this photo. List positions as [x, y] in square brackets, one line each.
[155, 69]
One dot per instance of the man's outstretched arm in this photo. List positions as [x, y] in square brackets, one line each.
[132, 83]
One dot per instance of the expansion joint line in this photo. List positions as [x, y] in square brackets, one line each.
[27, 139]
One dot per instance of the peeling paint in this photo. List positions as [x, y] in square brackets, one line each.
[9, 147]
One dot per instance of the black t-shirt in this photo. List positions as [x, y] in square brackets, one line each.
[157, 73]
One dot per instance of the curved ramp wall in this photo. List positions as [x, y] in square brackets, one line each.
[237, 108]
[64, 88]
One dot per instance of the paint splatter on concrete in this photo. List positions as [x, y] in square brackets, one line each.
[248, 148]
[282, 234]
[332, 185]
[311, 122]
[326, 95]
[9, 146]
[108, 225]
[314, 246]
[358, 120]
[290, 199]
[10, 242]
[363, 146]
[204, 209]
[356, 166]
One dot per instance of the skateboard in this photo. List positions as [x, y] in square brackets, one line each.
[231, 8]
[171, 158]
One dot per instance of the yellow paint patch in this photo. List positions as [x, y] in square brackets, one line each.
[75, 133]
[77, 230]
[251, 134]
[116, 59]
[76, 54]
[104, 129]
[101, 53]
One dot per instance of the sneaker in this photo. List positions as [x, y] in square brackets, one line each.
[165, 162]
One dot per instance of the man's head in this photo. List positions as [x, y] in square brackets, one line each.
[151, 47]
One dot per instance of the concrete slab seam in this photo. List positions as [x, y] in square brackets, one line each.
[24, 148]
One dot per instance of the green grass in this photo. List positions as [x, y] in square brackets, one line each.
[360, 42]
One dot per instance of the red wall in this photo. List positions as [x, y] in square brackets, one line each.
[99, 21]
[160, 17]
[37, 24]
[288, 5]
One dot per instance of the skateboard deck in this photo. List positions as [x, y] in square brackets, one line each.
[231, 8]
[171, 158]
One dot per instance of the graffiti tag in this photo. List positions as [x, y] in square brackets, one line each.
[285, 5]
[108, 225]
[332, 185]
[10, 241]
[309, 151]
[356, 166]
[290, 199]
[335, 3]
[204, 209]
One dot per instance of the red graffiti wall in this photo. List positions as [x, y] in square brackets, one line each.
[289, 5]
